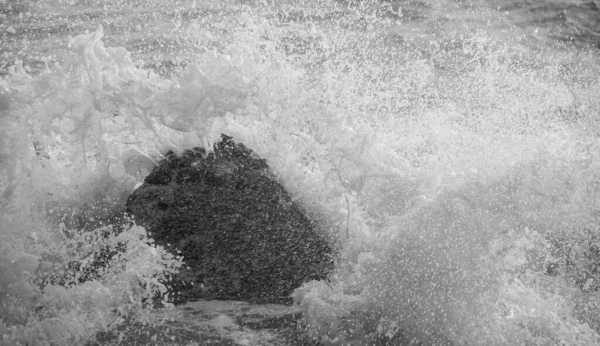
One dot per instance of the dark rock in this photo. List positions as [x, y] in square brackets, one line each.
[237, 228]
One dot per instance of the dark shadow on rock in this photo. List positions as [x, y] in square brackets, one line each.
[237, 228]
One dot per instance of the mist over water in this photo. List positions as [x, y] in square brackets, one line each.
[449, 149]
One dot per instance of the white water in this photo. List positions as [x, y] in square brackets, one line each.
[447, 151]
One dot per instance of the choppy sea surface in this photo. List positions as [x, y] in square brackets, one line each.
[450, 149]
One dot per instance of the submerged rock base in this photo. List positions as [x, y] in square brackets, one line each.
[219, 323]
[239, 232]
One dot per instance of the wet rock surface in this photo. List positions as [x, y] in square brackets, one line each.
[219, 323]
[241, 235]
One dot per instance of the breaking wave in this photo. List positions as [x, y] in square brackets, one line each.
[451, 154]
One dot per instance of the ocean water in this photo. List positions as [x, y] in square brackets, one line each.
[450, 150]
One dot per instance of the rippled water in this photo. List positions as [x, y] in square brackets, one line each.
[171, 32]
[449, 148]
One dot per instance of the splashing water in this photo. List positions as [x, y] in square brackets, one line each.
[450, 150]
